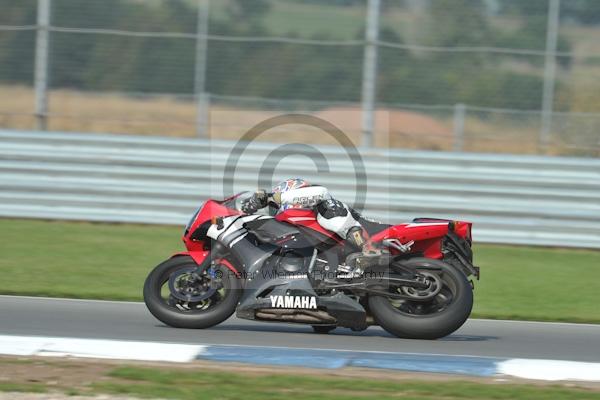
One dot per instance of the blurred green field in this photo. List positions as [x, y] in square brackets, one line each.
[110, 261]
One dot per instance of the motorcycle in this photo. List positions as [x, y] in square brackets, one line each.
[284, 267]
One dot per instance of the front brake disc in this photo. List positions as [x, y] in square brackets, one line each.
[183, 286]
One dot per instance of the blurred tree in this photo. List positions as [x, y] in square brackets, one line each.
[332, 2]
[532, 36]
[247, 9]
[278, 70]
[17, 47]
[72, 54]
[143, 64]
[458, 23]
[583, 11]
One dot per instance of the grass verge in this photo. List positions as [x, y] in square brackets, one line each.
[22, 387]
[109, 261]
[190, 385]
[190, 382]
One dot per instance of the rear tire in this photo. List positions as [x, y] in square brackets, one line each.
[428, 326]
[196, 319]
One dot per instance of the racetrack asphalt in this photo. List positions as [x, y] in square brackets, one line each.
[131, 321]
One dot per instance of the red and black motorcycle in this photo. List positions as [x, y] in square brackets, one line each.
[287, 268]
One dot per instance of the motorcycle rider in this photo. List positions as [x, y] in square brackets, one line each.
[332, 214]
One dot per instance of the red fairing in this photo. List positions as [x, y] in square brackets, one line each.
[304, 217]
[196, 248]
[209, 209]
[197, 256]
[427, 235]
[213, 209]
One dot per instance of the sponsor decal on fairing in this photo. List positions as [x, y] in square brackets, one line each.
[309, 302]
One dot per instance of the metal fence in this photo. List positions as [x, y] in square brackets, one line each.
[465, 75]
[531, 200]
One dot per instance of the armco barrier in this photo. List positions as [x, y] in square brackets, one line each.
[511, 199]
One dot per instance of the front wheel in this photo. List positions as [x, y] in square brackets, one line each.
[181, 295]
[426, 317]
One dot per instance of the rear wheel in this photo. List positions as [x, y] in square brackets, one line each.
[181, 295]
[432, 314]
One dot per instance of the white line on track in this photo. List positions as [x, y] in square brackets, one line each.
[98, 348]
[550, 370]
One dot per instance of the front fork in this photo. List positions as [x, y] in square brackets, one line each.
[213, 258]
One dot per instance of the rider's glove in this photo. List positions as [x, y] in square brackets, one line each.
[258, 200]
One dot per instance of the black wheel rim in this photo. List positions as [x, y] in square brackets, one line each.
[440, 302]
[182, 291]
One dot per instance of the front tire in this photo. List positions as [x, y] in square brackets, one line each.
[405, 321]
[173, 313]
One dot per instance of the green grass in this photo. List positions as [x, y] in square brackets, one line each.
[22, 387]
[96, 261]
[204, 383]
[538, 283]
[107, 261]
[146, 382]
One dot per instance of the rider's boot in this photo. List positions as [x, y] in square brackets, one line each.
[365, 256]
